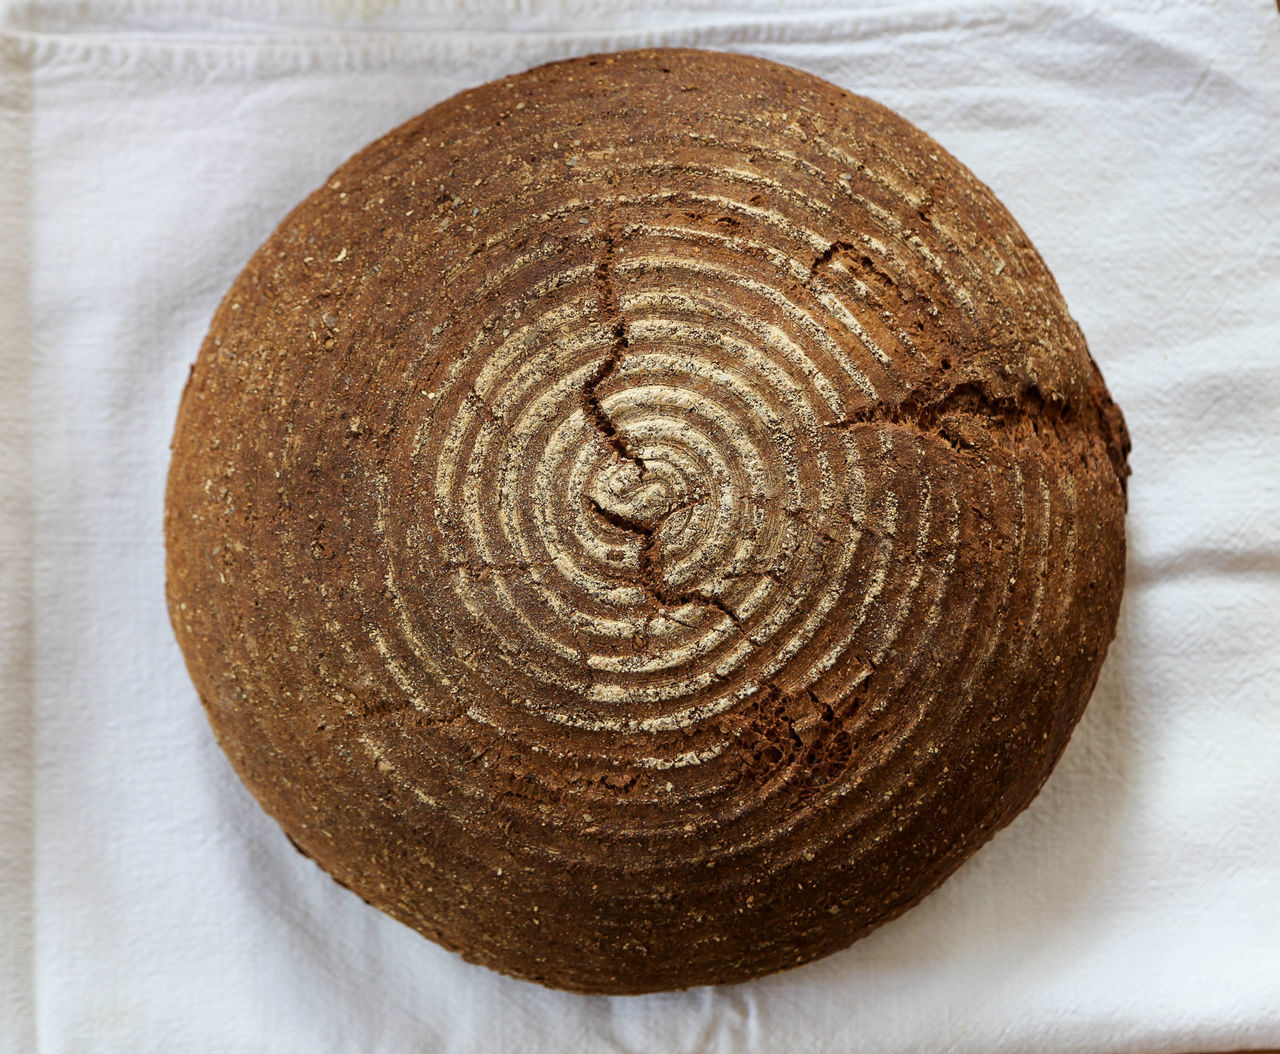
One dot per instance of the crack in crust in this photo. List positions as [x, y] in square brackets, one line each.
[970, 398]
[652, 580]
[1048, 416]
[617, 323]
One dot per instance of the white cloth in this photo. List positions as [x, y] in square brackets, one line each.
[147, 904]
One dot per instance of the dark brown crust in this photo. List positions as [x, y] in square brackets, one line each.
[646, 521]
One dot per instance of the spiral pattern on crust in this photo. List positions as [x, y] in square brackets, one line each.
[646, 521]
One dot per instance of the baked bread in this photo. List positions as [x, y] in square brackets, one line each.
[645, 521]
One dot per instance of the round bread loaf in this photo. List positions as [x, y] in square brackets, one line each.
[646, 521]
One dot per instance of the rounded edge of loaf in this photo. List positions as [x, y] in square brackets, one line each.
[411, 797]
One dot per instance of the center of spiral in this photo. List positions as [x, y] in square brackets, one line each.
[638, 497]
